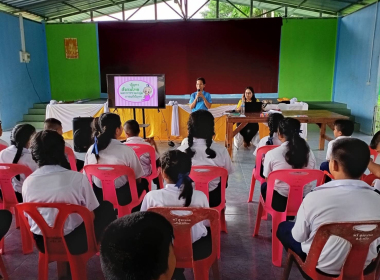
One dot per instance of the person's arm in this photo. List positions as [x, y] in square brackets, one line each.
[193, 101]
[205, 100]
[301, 230]
[374, 168]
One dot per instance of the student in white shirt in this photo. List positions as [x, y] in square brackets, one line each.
[294, 153]
[344, 199]
[108, 150]
[132, 130]
[176, 167]
[204, 151]
[19, 153]
[52, 183]
[2, 142]
[342, 129]
[56, 125]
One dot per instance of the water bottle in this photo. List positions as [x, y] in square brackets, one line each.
[242, 107]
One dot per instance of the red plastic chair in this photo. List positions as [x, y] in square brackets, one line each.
[256, 171]
[296, 179]
[374, 154]
[56, 249]
[202, 175]
[369, 178]
[141, 149]
[2, 147]
[182, 242]
[71, 157]
[354, 264]
[107, 175]
[3, 269]
[9, 201]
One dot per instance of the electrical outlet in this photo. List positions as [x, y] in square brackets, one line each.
[24, 57]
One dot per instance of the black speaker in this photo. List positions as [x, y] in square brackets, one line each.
[82, 132]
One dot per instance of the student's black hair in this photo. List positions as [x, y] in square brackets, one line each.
[273, 122]
[20, 136]
[353, 155]
[109, 122]
[375, 140]
[201, 125]
[95, 128]
[345, 126]
[202, 79]
[52, 124]
[174, 163]
[298, 151]
[48, 148]
[136, 247]
[253, 94]
[132, 127]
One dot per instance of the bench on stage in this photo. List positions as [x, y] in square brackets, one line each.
[318, 117]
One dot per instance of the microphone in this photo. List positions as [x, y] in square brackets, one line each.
[199, 99]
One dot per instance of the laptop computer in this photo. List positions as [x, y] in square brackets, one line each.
[253, 107]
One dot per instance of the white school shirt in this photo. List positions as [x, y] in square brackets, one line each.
[330, 146]
[222, 158]
[7, 155]
[263, 142]
[55, 184]
[2, 142]
[336, 201]
[116, 153]
[169, 197]
[275, 160]
[144, 159]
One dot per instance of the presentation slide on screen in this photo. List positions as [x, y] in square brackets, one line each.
[134, 91]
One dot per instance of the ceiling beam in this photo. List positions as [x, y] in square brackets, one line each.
[40, 4]
[18, 10]
[360, 2]
[280, 3]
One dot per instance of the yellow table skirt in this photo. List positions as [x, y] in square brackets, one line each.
[160, 123]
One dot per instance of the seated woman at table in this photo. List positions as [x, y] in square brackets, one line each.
[204, 151]
[293, 153]
[251, 129]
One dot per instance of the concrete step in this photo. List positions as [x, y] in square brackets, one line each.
[33, 111]
[37, 125]
[40, 105]
[34, 118]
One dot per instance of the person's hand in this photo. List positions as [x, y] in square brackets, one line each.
[200, 94]
[150, 141]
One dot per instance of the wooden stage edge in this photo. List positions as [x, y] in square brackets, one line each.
[322, 118]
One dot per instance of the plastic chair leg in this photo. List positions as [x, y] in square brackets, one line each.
[78, 269]
[2, 246]
[3, 270]
[258, 219]
[288, 267]
[223, 224]
[252, 188]
[264, 216]
[42, 267]
[276, 244]
[201, 272]
[27, 240]
[215, 270]
[17, 218]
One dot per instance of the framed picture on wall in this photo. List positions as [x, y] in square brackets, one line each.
[71, 48]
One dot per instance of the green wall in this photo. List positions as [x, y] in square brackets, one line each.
[307, 59]
[73, 79]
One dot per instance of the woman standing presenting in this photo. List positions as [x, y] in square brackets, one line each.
[251, 129]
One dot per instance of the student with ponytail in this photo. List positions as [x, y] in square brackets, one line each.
[203, 151]
[178, 192]
[108, 150]
[19, 153]
[294, 153]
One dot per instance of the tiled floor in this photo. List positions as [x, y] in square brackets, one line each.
[242, 256]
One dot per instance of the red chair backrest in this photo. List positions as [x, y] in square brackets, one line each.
[374, 153]
[259, 157]
[141, 149]
[369, 178]
[54, 241]
[350, 231]
[2, 147]
[182, 231]
[202, 175]
[296, 179]
[71, 157]
[7, 172]
[107, 175]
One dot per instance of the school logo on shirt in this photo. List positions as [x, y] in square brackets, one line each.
[135, 91]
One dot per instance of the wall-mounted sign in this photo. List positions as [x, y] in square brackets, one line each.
[71, 48]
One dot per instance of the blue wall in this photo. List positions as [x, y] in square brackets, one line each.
[353, 62]
[16, 90]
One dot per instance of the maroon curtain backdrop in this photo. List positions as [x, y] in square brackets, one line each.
[230, 55]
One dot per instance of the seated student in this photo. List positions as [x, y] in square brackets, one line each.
[56, 125]
[204, 151]
[342, 129]
[294, 153]
[108, 150]
[176, 167]
[52, 183]
[138, 247]
[132, 130]
[375, 142]
[2, 142]
[18, 153]
[347, 198]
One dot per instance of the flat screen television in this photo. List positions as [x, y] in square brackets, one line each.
[136, 91]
